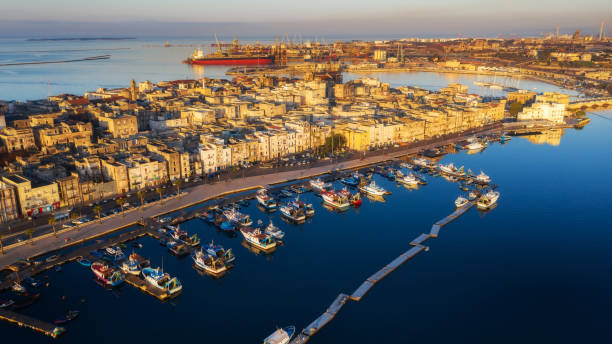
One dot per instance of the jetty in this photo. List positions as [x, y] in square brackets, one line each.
[32, 323]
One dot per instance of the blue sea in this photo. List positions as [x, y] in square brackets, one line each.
[536, 268]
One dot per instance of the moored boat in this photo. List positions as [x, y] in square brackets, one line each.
[451, 169]
[373, 189]
[475, 145]
[209, 263]
[257, 238]
[461, 201]
[306, 208]
[292, 213]
[161, 280]
[274, 231]
[265, 200]
[281, 336]
[487, 200]
[335, 199]
[107, 274]
[319, 185]
[409, 179]
[69, 317]
[218, 251]
[483, 178]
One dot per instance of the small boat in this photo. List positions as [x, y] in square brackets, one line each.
[70, 316]
[131, 266]
[265, 200]
[407, 165]
[355, 200]
[488, 200]
[6, 304]
[178, 249]
[18, 288]
[306, 208]
[461, 201]
[409, 179]
[482, 178]
[274, 231]
[286, 193]
[107, 274]
[475, 146]
[136, 245]
[208, 262]
[373, 189]
[257, 238]
[335, 199]
[472, 195]
[227, 226]
[319, 185]
[115, 252]
[350, 181]
[162, 280]
[451, 169]
[281, 336]
[420, 162]
[218, 251]
[84, 262]
[292, 213]
[32, 282]
[237, 217]
[297, 189]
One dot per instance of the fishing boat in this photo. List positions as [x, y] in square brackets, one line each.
[421, 162]
[292, 213]
[227, 226]
[131, 266]
[306, 208]
[319, 185]
[373, 189]
[335, 199]
[178, 249]
[286, 193]
[407, 165]
[472, 195]
[483, 178]
[161, 280]
[461, 201]
[6, 304]
[409, 179]
[208, 216]
[451, 169]
[265, 200]
[218, 251]
[115, 252]
[477, 145]
[107, 274]
[281, 336]
[487, 200]
[504, 138]
[183, 237]
[274, 231]
[355, 200]
[237, 217]
[18, 288]
[257, 238]
[350, 181]
[69, 317]
[208, 262]
[298, 189]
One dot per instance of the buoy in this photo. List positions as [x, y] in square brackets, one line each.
[47, 285]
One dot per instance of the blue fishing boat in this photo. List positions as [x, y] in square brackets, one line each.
[162, 280]
[228, 226]
[218, 251]
[84, 262]
[350, 181]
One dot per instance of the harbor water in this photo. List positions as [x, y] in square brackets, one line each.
[535, 268]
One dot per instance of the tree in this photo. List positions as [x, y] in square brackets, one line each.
[160, 191]
[515, 108]
[52, 223]
[74, 215]
[121, 203]
[141, 196]
[98, 210]
[178, 183]
[333, 143]
[1, 245]
[29, 232]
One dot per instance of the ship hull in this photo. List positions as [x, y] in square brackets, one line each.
[232, 61]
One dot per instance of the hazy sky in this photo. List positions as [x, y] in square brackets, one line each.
[409, 17]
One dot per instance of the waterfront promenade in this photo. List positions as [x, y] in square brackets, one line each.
[201, 193]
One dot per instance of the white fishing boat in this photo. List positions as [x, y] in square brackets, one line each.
[274, 231]
[373, 189]
[265, 200]
[483, 178]
[408, 179]
[208, 263]
[336, 199]
[472, 195]
[257, 238]
[131, 266]
[487, 200]
[421, 162]
[281, 336]
[475, 146]
[219, 251]
[162, 280]
[319, 185]
[451, 169]
[292, 213]
[461, 201]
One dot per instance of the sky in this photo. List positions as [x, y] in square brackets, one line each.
[268, 17]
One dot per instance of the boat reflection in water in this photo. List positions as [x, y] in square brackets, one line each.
[374, 198]
[259, 251]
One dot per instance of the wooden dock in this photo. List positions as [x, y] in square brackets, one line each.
[32, 323]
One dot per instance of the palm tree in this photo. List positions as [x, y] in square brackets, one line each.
[160, 191]
[121, 202]
[29, 232]
[52, 223]
[1, 245]
[141, 196]
[75, 216]
[177, 183]
[98, 210]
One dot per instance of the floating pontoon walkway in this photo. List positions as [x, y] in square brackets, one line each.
[363, 289]
[32, 323]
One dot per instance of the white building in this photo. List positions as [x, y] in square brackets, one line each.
[553, 112]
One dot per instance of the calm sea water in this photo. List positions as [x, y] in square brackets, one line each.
[534, 269]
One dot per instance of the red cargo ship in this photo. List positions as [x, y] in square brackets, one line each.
[226, 59]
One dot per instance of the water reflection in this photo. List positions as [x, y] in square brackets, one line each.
[551, 137]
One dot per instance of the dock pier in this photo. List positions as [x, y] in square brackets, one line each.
[32, 323]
